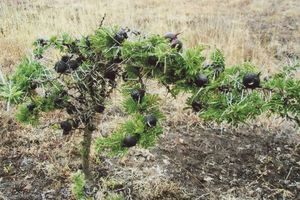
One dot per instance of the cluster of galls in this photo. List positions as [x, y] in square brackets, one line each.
[67, 64]
[250, 81]
[150, 120]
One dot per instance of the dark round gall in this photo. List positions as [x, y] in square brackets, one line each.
[201, 80]
[170, 36]
[33, 86]
[152, 60]
[150, 120]
[61, 67]
[251, 80]
[138, 95]
[99, 108]
[197, 106]
[111, 75]
[66, 126]
[176, 44]
[129, 141]
[31, 107]
[120, 36]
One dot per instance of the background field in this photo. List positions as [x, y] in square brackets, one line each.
[194, 160]
[265, 32]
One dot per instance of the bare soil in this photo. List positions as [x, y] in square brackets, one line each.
[190, 162]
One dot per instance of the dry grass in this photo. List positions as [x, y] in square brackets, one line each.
[261, 31]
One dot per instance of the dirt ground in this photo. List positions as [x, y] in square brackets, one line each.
[190, 161]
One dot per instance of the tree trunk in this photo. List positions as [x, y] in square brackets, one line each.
[87, 140]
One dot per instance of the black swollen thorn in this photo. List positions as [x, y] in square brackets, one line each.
[197, 106]
[130, 141]
[66, 126]
[111, 75]
[150, 120]
[176, 44]
[251, 80]
[61, 67]
[152, 60]
[31, 107]
[120, 36]
[170, 36]
[33, 86]
[201, 80]
[138, 95]
[99, 108]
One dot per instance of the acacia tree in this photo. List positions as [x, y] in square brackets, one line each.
[91, 67]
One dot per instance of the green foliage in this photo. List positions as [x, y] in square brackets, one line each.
[27, 72]
[103, 42]
[193, 60]
[78, 186]
[135, 126]
[222, 98]
[217, 58]
[20, 83]
[148, 105]
[10, 92]
[284, 94]
[26, 116]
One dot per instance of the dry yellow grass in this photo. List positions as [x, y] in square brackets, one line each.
[261, 31]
